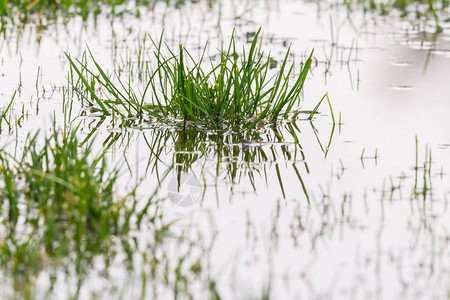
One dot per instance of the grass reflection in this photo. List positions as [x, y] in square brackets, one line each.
[227, 159]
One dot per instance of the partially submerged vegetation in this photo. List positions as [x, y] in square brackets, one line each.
[419, 7]
[238, 92]
[413, 10]
[62, 222]
[64, 226]
[25, 9]
[59, 204]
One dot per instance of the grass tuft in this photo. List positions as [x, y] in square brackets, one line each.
[234, 93]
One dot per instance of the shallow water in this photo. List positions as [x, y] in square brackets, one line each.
[354, 210]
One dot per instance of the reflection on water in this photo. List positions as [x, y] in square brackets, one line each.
[226, 159]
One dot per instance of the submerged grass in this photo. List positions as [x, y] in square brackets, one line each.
[62, 225]
[413, 10]
[5, 116]
[51, 9]
[235, 93]
[58, 202]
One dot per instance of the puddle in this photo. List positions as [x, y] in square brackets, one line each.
[316, 210]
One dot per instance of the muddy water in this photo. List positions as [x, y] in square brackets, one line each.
[357, 210]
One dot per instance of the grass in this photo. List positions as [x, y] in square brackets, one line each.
[64, 196]
[234, 93]
[62, 225]
[5, 115]
[50, 9]
[434, 10]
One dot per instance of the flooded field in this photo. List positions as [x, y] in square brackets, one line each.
[287, 150]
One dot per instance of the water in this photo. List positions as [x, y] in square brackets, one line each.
[354, 210]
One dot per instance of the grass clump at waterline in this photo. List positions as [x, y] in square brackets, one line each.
[59, 210]
[235, 93]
